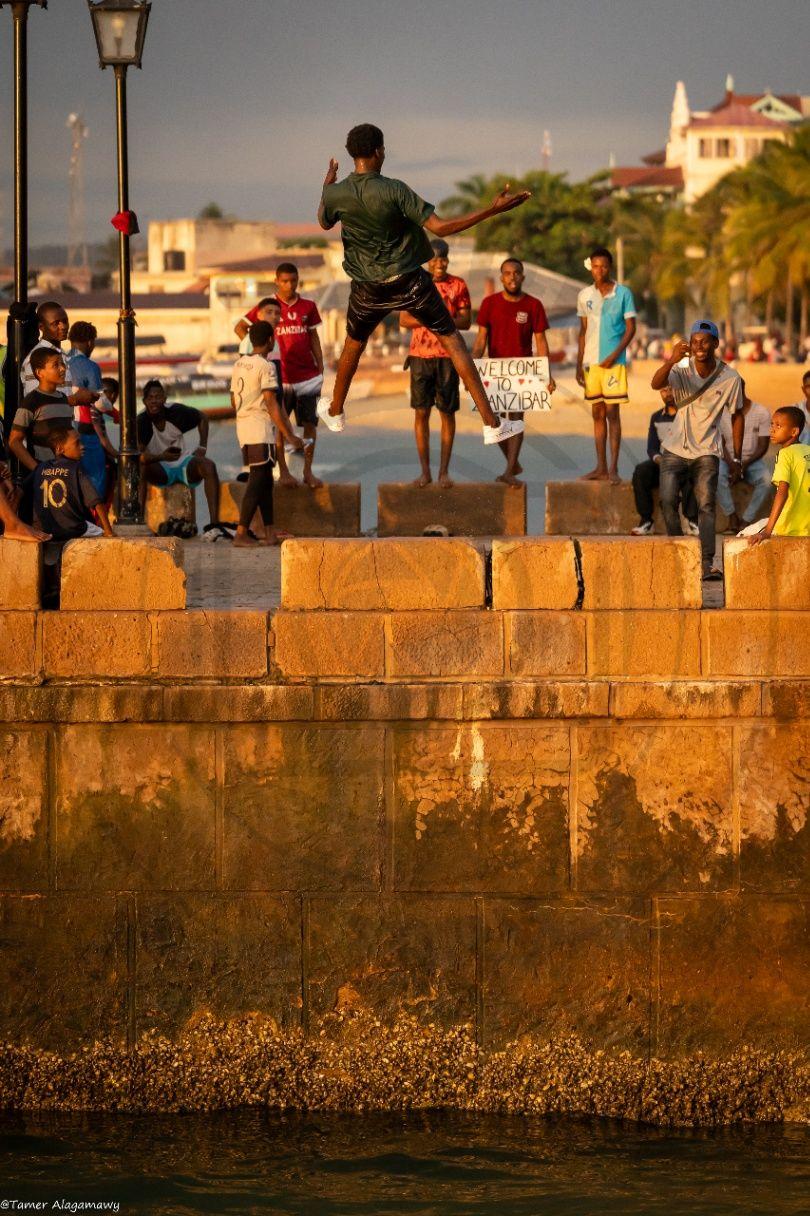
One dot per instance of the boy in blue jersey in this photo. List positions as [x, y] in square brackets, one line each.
[607, 325]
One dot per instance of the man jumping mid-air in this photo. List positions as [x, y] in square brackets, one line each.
[385, 247]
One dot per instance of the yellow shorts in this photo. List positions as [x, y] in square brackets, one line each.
[608, 384]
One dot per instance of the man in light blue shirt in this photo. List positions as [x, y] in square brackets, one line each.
[86, 373]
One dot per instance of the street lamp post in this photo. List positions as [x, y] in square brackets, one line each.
[120, 29]
[16, 354]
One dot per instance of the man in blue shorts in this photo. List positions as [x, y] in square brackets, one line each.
[164, 434]
[385, 226]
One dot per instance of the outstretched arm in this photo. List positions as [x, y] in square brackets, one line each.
[330, 179]
[501, 203]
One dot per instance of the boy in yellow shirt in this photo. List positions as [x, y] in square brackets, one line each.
[790, 513]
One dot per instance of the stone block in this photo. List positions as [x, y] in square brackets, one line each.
[393, 956]
[19, 659]
[96, 645]
[329, 645]
[774, 797]
[123, 575]
[58, 703]
[755, 644]
[568, 966]
[390, 702]
[224, 954]
[786, 699]
[481, 809]
[596, 508]
[238, 703]
[208, 644]
[23, 810]
[432, 645]
[303, 807]
[732, 974]
[20, 575]
[428, 573]
[687, 699]
[658, 643]
[64, 970]
[775, 574]
[641, 572]
[538, 572]
[536, 699]
[135, 808]
[169, 502]
[654, 808]
[331, 510]
[465, 509]
[545, 643]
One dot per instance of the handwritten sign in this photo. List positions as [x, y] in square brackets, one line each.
[514, 386]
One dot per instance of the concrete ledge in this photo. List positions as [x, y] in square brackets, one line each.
[659, 644]
[642, 572]
[466, 509]
[596, 508]
[740, 643]
[166, 502]
[329, 646]
[20, 575]
[123, 575]
[211, 644]
[332, 510]
[435, 645]
[773, 574]
[535, 572]
[357, 575]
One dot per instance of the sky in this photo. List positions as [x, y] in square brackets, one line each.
[244, 101]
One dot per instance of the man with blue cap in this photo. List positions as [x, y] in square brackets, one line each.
[703, 388]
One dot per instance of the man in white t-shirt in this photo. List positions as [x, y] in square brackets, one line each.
[754, 469]
[703, 389]
[254, 384]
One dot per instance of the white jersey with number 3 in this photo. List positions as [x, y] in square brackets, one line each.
[252, 377]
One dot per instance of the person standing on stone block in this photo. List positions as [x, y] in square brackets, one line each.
[259, 418]
[607, 326]
[703, 388]
[384, 226]
[647, 474]
[434, 380]
[86, 373]
[790, 513]
[754, 470]
[509, 321]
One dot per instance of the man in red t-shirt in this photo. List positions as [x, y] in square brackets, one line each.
[507, 322]
[434, 380]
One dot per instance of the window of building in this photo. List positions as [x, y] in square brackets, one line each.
[174, 259]
[705, 149]
[723, 149]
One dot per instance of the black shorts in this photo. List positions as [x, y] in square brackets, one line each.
[304, 408]
[433, 382]
[258, 453]
[415, 292]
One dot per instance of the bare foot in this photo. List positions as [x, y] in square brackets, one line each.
[20, 531]
[312, 481]
[274, 536]
[244, 542]
[615, 479]
[286, 479]
[445, 481]
[509, 479]
[595, 475]
[518, 468]
[422, 481]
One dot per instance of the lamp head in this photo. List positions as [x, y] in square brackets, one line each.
[120, 30]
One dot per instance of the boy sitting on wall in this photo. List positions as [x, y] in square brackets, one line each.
[64, 496]
[790, 513]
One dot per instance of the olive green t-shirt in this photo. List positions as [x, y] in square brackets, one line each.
[382, 222]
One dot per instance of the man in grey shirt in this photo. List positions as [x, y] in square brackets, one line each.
[702, 390]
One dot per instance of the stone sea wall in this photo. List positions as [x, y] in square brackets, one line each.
[529, 835]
